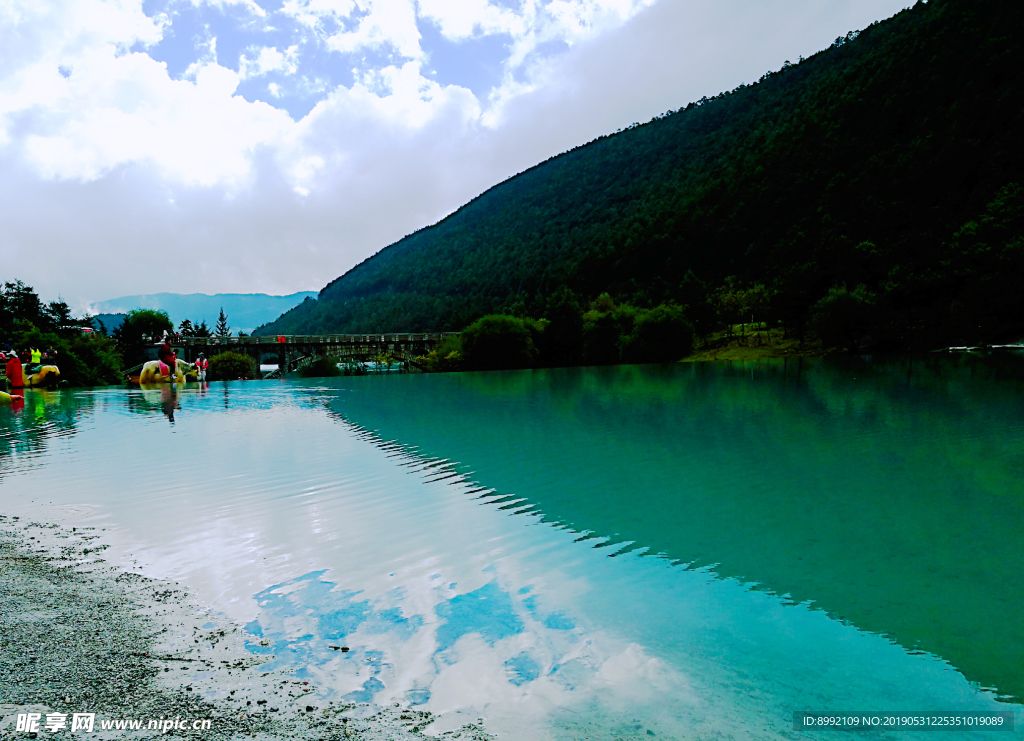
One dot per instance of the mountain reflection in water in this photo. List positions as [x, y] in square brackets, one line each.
[889, 493]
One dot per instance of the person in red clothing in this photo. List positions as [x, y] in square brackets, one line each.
[14, 375]
[167, 356]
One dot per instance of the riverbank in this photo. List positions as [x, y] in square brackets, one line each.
[744, 344]
[84, 636]
[754, 344]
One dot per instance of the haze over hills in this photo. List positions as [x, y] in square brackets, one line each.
[892, 160]
[244, 310]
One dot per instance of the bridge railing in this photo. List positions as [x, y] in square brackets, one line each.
[320, 339]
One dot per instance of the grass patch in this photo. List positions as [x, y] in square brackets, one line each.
[754, 342]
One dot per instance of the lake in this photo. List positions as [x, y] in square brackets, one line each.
[690, 550]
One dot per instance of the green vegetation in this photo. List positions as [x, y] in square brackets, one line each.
[188, 328]
[891, 161]
[141, 326]
[230, 366]
[659, 335]
[845, 317]
[321, 368]
[754, 342]
[222, 330]
[499, 342]
[84, 358]
[604, 335]
[446, 356]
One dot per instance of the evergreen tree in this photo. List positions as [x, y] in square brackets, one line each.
[223, 330]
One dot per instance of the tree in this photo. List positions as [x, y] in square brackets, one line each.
[59, 314]
[660, 335]
[446, 356]
[141, 326]
[498, 342]
[729, 304]
[230, 366]
[844, 317]
[563, 338]
[186, 328]
[695, 297]
[223, 330]
[19, 304]
[202, 329]
[605, 325]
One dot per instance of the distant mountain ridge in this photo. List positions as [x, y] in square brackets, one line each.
[107, 323]
[245, 311]
[892, 160]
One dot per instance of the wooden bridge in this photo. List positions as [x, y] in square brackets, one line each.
[291, 350]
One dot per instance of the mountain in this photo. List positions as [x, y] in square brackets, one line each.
[244, 310]
[107, 323]
[892, 160]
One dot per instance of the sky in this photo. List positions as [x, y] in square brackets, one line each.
[271, 145]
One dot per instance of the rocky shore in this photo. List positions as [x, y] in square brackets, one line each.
[80, 635]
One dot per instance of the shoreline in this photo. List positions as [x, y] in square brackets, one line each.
[82, 635]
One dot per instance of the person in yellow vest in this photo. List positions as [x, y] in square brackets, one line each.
[35, 361]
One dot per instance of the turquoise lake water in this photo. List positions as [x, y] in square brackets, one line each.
[689, 551]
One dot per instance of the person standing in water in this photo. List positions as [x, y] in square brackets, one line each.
[15, 377]
[202, 364]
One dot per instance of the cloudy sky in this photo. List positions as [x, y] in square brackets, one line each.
[270, 145]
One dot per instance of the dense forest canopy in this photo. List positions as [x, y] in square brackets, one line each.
[85, 358]
[873, 189]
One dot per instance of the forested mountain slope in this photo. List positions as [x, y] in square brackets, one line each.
[892, 160]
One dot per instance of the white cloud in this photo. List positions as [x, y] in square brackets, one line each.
[117, 110]
[387, 23]
[378, 24]
[251, 5]
[41, 39]
[465, 19]
[269, 59]
[312, 12]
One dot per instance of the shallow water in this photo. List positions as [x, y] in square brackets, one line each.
[578, 553]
